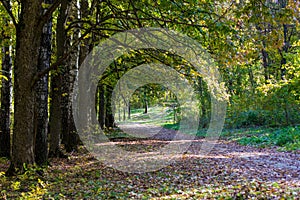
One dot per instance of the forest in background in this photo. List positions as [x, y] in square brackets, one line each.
[255, 44]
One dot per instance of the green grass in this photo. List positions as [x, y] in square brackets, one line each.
[286, 138]
[156, 115]
[117, 133]
[172, 126]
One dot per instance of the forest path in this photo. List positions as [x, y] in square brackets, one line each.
[228, 171]
[227, 157]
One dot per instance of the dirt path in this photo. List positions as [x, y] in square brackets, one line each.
[242, 161]
[229, 171]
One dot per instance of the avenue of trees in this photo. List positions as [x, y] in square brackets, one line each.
[255, 44]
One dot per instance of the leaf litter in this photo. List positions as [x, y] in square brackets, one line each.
[229, 171]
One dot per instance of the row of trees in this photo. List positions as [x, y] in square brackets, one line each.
[255, 44]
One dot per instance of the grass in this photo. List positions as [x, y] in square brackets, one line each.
[286, 138]
[156, 115]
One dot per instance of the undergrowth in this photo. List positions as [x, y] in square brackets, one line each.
[286, 139]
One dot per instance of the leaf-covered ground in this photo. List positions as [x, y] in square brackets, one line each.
[229, 171]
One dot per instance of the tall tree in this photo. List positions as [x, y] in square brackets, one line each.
[109, 117]
[28, 34]
[5, 96]
[55, 120]
[101, 103]
[41, 105]
[70, 139]
[28, 40]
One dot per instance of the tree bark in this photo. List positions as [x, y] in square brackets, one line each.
[41, 106]
[265, 65]
[109, 117]
[84, 48]
[283, 51]
[70, 136]
[28, 40]
[101, 111]
[129, 110]
[5, 104]
[55, 121]
[203, 122]
[145, 102]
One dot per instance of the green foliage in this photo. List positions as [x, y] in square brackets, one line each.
[116, 134]
[251, 118]
[27, 186]
[157, 115]
[286, 138]
[172, 126]
[3, 77]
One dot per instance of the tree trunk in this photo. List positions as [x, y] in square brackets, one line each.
[145, 102]
[129, 110]
[55, 126]
[101, 111]
[124, 113]
[5, 104]
[28, 40]
[265, 64]
[203, 122]
[41, 107]
[109, 117]
[285, 49]
[70, 137]
[84, 48]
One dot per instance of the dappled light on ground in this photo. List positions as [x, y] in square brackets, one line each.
[229, 170]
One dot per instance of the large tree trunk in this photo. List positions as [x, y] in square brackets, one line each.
[28, 40]
[41, 110]
[55, 121]
[70, 136]
[5, 100]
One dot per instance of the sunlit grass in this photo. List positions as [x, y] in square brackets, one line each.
[287, 138]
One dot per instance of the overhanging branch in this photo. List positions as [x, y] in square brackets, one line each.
[8, 10]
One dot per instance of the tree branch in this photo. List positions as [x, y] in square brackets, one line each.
[55, 65]
[163, 20]
[8, 10]
[46, 16]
